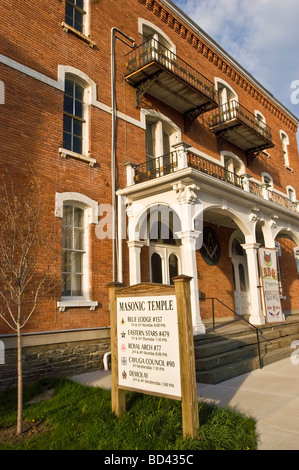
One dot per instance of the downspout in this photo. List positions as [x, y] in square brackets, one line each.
[113, 142]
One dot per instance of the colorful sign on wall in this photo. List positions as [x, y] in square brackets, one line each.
[270, 285]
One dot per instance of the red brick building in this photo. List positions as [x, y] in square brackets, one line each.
[127, 113]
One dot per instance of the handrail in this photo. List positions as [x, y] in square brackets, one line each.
[257, 330]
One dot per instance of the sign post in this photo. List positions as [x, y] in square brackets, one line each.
[152, 348]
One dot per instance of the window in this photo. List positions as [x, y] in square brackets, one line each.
[285, 143]
[73, 251]
[77, 212]
[291, 194]
[73, 117]
[75, 14]
[228, 100]
[268, 180]
[296, 253]
[160, 135]
[260, 122]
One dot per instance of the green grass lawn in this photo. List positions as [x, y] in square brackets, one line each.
[79, 417]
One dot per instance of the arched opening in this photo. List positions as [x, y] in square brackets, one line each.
[156, 269]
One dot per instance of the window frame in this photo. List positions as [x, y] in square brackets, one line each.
[91, 213]
[83, 81]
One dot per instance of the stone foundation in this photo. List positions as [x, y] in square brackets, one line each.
[53, 354]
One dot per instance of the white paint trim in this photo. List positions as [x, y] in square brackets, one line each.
[73, 197]
[59, 85]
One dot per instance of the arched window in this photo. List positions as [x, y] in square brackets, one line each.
[285, 143]
[173, 264]
[228, 100]
[156, 268]
[160, 136]
[77, 213]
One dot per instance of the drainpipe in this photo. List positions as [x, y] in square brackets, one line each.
[113, 139]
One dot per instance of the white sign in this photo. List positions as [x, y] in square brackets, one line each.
[269, 274]
[148, 344]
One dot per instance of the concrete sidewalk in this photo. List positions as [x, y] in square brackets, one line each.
[270, 395]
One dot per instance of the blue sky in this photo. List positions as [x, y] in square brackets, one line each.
[262, 35]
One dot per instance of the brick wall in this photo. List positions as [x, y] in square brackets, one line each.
[31, 128]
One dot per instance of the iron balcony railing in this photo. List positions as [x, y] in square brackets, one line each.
[213, 169]
[233, 110]
[156, 167]
[153, 51]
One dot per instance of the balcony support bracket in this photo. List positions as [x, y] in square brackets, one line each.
[192, 115]
[253, 153]
[143, 88]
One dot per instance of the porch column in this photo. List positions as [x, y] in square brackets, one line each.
[134, 261]
[189, 268]
[257, 317]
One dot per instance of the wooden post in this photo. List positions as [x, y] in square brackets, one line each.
[187, 357]
[118, 398]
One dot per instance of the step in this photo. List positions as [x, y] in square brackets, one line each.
[229, 371]
[220, 357]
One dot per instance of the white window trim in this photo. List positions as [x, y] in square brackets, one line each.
[164, 252]
[223, 82]
[90, 217]
[286, 155]
[68, 72]
[142, 23]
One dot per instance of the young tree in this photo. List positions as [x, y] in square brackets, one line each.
[27, 252]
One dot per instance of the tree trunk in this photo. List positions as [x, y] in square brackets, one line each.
[20, 380]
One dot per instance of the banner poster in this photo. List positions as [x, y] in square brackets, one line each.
[148, 344]
[270, 285]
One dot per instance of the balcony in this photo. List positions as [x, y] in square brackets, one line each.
[154, 69]
[182, 159]
[239, 126]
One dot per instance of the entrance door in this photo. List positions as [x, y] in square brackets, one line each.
[241, 290]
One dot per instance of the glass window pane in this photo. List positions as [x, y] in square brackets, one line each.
[77, 285]
[66, 261]
[77, 144]
[66, 285]
[78, 239]
[69, 87]
[67, 141]
[80, 4]
[78, 217]
[77, 263]
[242, 278]
[67, 215]
[68, 104]
[78, 127]
[156, 265]
[79, 109]
[67, 124]
[79, 92]
[67, 237]
[173, 267]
